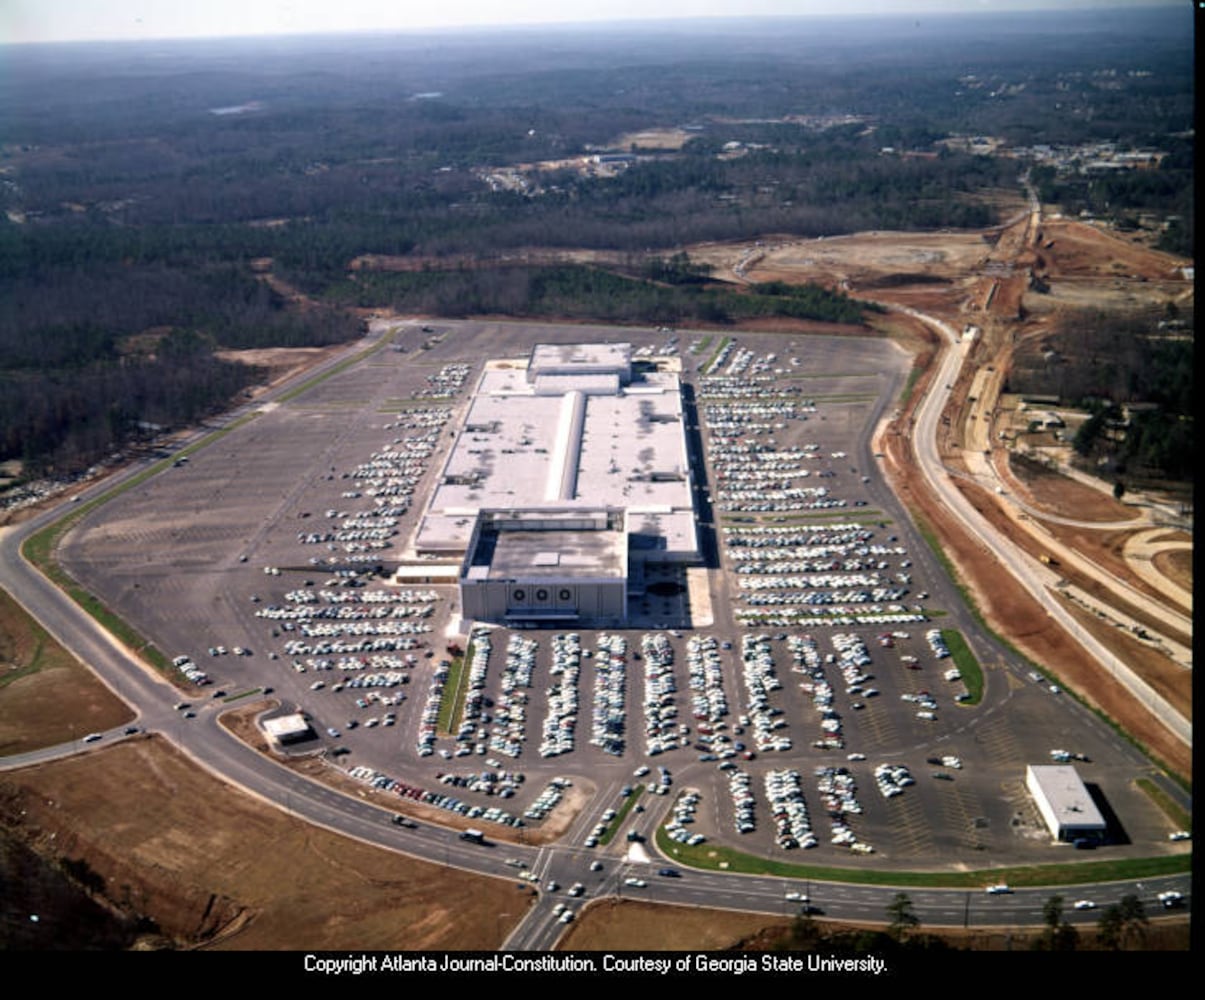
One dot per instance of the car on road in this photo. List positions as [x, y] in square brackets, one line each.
[796, 897]
[93, 737]
[997, 890]
[596, 866]
[1171, 898]
[1084, 904]
[1179, 835]
[403, 821]
[669, 873]
[636, 883]
[576, 889]
[131, 730]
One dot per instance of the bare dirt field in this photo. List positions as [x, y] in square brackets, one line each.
[653, 138]
[628, 925]
[1176, 564]
[1072, 249]
[1091, 267]
[1058, 494]
[280, 363]
[218, 869]
[46, 695]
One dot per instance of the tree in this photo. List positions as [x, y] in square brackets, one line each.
[1059, 934]
[804, 935]
[1133, 919]
[1108, 927]
[903, 917]
[1123, 924]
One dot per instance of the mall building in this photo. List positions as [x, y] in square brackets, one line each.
[569, 475]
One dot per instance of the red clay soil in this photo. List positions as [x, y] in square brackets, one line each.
[1013, 613]
[1083, 251]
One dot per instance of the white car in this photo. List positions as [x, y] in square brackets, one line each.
[637, 883]
[997, 890]
[796, 897]
[1085, 904]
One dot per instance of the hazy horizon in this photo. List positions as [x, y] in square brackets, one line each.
[52, 21]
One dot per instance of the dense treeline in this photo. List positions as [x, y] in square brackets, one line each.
[834, 184]
[104, 333]
[586, 292]
[61, 422]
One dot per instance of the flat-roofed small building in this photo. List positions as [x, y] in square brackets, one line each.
[1064, 802]
[287, 729]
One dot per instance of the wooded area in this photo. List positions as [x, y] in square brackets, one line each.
[140, 181]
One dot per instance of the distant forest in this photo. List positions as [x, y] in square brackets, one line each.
[140, 181]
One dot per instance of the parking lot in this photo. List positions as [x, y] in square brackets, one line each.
[809, 709]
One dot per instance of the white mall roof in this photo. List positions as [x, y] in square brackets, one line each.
[563, 443]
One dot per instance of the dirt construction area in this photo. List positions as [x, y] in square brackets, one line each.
[220, 870]
[983, 281]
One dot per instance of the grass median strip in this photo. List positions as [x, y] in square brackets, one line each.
[967, 664]
[629, 803]
[713, 857]
[1181, 818]
[451, 706]
[342, 366]
[706, 367]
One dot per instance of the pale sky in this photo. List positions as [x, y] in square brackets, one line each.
[79, 20]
